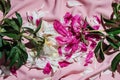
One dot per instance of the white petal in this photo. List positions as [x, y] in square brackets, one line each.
[72, 3]
[107, 72]
[88, 70]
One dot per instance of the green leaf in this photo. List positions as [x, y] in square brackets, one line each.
[38, 28]
[89, 27]
[23, 50]
[1, 42]
[12, 24]
[2, 3]
[97, 48]
[11, 35]
[18, 56]
[99, 51]
[14, 59]
[113, 31]
[19, 18]
[13, 56]
[1, 7]
[109, 21]
[1, 55]
[12, 52]
[5, 6]
[28, 29]
[96, 32]
[112, 43]
[116, 37]
[115, 62]
[115, 10]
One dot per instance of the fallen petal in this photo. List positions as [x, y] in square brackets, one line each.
[47, 69]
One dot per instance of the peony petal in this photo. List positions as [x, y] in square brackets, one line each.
[61, 40]
[67, 17]
[60, 51]
[83, 47]
[67, 48]
[97, 19]
[76, 21]
[63, 63]
[60, 28]
[96, 27]
[68, 55]
[30, 18]
[84, 24]
[38, 21]
[74, 48]
[88, 58]
[93, 44]
[13, 71]
[47, 69]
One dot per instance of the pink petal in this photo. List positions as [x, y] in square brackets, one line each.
[98, 19]
[67, 48]
[61, 40]
[67, 17]
[38, 22]
[90, 37]
[84, 24]
[47, 69]
[13, 71]
[83, 47]
[74, 48]
[60, 51]
[63, 63]
[76, 21]
[68, 55]
[73, 44]
[88, 58]
[93, 44]
[30, 18]
[60, 28]
[96, 27]
[64, 40]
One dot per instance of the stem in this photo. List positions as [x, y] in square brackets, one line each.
[29, 38]
[97, 31]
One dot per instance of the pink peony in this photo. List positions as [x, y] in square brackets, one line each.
[74, 36]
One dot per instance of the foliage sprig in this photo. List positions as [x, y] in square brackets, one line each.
[12, 35]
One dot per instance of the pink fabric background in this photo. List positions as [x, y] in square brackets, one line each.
[57, 9]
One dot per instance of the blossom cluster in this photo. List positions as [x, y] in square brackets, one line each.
[74, 36]
[66, 41]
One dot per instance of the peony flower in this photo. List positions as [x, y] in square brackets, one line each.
[63, 41]
[73, 36]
